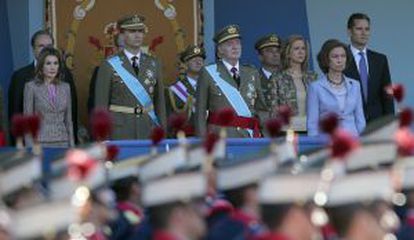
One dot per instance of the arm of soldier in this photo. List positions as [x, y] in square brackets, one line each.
[261, 108]
[68, 117]
[103, 85]
[387, 102]
[201, 103]
[312, 107]
[159, 98]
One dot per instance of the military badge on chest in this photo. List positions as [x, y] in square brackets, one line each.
[149, 80]
[251, 93]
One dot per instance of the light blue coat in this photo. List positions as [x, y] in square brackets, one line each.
[321, 100]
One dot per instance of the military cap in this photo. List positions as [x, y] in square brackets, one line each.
[244, 174]
[227, 33]
[134, 22]
[192, 51]
[271, 40]
[182, 187]
[288, 188]
[371, 186]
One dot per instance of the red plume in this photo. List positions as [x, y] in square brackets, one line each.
[111, 152]
[396, 90]
[177, 122]
[101, 124]
[33, 124]
[155, 42]
[225, 116]
[19, 126]
[157, 135]
[285, 113]
[210, 142]
[274, 126]
[405, 142]
[406, 117]
[329, 123]
[79, 164]
[342, 144]
[95, 42]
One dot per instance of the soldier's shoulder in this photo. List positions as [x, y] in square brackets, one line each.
[249, 68]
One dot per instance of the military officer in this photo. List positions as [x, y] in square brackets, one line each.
[181, 94]
[130, 85]
[227, 83]
[268, 50]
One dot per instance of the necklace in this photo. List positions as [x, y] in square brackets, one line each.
[336, 83]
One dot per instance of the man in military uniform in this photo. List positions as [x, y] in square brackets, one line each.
[268, 50]
[130, 85]
[181, 94]
[227, 83]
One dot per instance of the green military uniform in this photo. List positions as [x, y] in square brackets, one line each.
[181, 94]
[270, 40]
[210, 98]
[131, 120]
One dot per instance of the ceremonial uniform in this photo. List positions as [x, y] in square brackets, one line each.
[136, 100]
[181, 94]
[267, 87]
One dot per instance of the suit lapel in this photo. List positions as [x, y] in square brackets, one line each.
[225, 75]
[126, 64]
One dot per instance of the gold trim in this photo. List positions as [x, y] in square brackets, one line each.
[228, 37]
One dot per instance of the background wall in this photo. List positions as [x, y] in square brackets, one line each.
[319, 20]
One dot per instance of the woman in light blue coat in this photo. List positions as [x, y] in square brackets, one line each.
[335, 93]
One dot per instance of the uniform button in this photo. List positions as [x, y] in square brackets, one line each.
[238, 128]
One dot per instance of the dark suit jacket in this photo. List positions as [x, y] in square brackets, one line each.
[378, 104]
[16, 88]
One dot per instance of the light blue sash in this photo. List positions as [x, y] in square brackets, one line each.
[232, 94]
[135, 86]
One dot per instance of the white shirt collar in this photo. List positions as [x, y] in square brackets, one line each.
[229, 66]
[130, 56]
[266, 73]
[192, 81]
[355, 51]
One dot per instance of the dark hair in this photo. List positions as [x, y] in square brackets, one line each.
[49, 51]
[273, 214]
[160, 215]
[122, 187]
[341, 217]
[287, 47]
[237, 196]
[323, 55]
[357, 16]
[38, 34]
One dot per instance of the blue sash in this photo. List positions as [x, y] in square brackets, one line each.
[232, 94]
[135, 86]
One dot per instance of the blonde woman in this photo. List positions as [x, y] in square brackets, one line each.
[290, 85]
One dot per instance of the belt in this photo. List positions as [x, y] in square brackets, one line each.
[239, 122]
[138, 110]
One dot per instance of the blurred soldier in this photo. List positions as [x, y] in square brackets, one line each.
[175, 206]
[130, 85]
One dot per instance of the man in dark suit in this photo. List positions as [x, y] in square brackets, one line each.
[25, 74]
[370, 68]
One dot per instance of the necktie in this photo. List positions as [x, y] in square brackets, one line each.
[363, 74]
[236, 76]
[135, 64]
